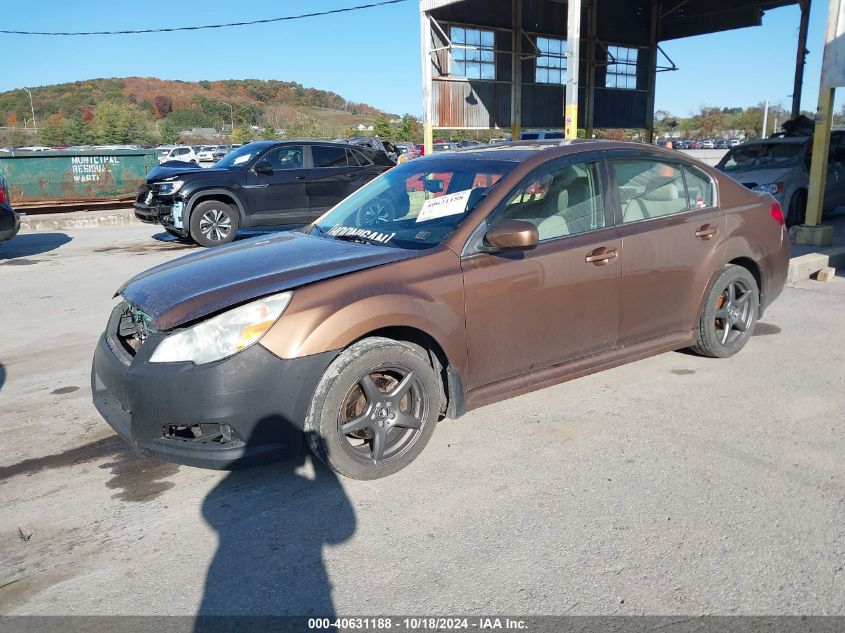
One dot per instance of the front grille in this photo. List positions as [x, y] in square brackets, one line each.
[133, 328]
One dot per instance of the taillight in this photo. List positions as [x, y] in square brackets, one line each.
[2, 195]
[777, 213]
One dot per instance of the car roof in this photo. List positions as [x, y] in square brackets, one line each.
[519, 151]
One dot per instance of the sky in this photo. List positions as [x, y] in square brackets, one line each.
[370, 55]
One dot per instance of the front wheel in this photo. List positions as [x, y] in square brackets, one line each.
[797, 209]
[213, 223]
[729, 313]
[375, 409]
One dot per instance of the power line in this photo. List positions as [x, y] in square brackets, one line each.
[211, 26]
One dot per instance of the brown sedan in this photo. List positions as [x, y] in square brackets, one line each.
[449, 283]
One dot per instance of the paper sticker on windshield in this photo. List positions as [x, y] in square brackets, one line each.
[451, 204]
[241, 159]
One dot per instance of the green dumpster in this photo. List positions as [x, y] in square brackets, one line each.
[54, 177]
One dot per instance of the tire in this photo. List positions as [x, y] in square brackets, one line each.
[341, 398]
[733, 300]
[797, 208]
[377, 212]
[213, 223]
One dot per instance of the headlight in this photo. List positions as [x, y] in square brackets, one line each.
[168, 188]
[223, 335]
[774, 188]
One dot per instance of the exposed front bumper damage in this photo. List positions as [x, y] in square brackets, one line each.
[246, 409]
[166, 211]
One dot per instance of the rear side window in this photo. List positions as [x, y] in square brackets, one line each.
[325, 156]
[649, 189]
[699, 188]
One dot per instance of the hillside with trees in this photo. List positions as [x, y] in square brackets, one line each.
[149, 110]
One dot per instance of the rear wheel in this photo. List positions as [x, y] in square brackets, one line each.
[375, 409]
[729, 313]
[213, 223]
[797, 208]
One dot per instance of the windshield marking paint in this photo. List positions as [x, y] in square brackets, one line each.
[375, 236]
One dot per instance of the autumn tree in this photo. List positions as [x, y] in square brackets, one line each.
[163, 106]
[242, 134]
[710, 121]
[12, 120]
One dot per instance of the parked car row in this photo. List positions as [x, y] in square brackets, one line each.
[705, 144]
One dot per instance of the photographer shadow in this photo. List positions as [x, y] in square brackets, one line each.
[273, 523]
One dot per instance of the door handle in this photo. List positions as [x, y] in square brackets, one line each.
[706, 232]
[600, 257]
[301, 178]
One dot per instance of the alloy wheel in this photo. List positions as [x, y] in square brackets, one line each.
[377, 212]
[215, 225]
[382, 415]
[734, 313]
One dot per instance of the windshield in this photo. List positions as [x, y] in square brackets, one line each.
[415, 205]
[763, 156]
[206, 148]
[164, 152]
[239, 156]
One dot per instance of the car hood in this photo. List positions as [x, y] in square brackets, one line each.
[175, 169]
[198, 285]
[764, 176]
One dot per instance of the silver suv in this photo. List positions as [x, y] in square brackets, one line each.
[781, 166]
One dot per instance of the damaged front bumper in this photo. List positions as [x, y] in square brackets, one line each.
[166, 211]
[245, 409]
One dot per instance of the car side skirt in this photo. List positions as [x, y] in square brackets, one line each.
[540, 379]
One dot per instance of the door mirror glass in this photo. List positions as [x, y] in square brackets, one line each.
[433, 185]
[264, 167]
[513, 235]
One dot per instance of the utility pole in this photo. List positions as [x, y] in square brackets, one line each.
[573, 64]
[801, 58]
[231, 114]
[765, 120]
[32, 109]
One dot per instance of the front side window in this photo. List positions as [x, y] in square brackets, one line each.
[325, 156]
[288, 157]
[649, 189]
[551, 61]
[622, 67]
[473, 53]
[414, 205]
[565, 201]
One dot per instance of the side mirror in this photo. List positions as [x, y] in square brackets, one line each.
[513, 235]
[263, 167]
[433, 185]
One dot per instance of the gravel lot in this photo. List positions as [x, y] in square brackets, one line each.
[674, 485]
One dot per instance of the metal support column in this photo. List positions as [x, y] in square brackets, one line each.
[516, 71]
[573, 67]
[591, 67]
[824, 123]
[428, 106]
[656, 11]
[801, 58]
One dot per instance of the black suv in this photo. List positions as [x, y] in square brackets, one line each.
[258, 184]
[10, 221]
